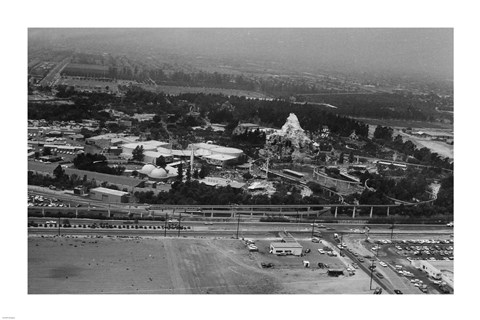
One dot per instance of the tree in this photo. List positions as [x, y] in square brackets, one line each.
[351, 158]
[188, 174]
[340, 159]
[160, 162]
[58, 172]
[47, 151]
[137, 153]
[247, 176]
[180, 172]
[203, 172]
[195, 174]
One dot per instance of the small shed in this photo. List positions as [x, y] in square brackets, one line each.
[289, 248]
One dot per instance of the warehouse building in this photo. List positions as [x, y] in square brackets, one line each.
[289, 248]
[109, 195]
[151, 145]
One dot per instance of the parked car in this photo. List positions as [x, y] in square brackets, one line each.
[397, 291]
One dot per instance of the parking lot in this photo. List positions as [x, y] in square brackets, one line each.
[41, 201]
[400, 254]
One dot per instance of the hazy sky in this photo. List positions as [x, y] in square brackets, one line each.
[400, 51]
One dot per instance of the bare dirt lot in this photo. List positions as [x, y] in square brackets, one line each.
[173, 265]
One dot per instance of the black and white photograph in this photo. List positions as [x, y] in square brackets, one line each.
[299, 162]
[220, 161]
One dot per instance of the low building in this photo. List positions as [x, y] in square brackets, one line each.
[289, 248]
[109, 195]
[221, 160]
[152, 156]
[151, 145]
[221, 182]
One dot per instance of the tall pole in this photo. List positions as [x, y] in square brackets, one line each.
[313, 227]
[371, 268]
[238, 224]
[58, 224]
[166, 219]
[391, 235]
[179, 219]
[371, 274]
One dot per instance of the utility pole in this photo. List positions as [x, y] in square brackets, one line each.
[166, 220]
[179, 219]
[313, 227]
[371, 274]
[371, 267]
[238, 224]
[393, 224]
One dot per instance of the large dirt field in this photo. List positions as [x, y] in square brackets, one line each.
[174, 265]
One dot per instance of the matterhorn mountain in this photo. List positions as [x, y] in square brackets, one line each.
[290, 142]
[292, 131]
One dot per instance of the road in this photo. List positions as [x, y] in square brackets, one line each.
[341, 228]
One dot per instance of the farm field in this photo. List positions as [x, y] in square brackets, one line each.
[91, 265]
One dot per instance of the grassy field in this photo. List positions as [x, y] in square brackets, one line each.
[175, 90]
[88, 265]
[406, 123]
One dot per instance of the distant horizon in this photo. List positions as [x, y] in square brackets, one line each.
[426, 52]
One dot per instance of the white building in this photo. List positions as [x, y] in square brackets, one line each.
[150, 145]
[289, 248]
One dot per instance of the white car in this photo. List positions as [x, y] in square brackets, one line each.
[321, 251]
[383, 264]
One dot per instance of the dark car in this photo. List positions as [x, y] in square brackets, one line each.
[307, 250]
[378, 274]
[397, 291]
[361, 259]
[378, 291]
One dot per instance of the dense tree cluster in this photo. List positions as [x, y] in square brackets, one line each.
[96, 163]
[255, 137]
[60, 181]
[445, 194]
[191, 193]
[383, 133]
[383, 105]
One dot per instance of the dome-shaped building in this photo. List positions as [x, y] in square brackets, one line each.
[147, 169]
[158, 173]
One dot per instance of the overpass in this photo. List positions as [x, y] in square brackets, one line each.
[230, 211]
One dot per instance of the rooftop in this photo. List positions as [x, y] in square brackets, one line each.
[109, 191]
[281, 245]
